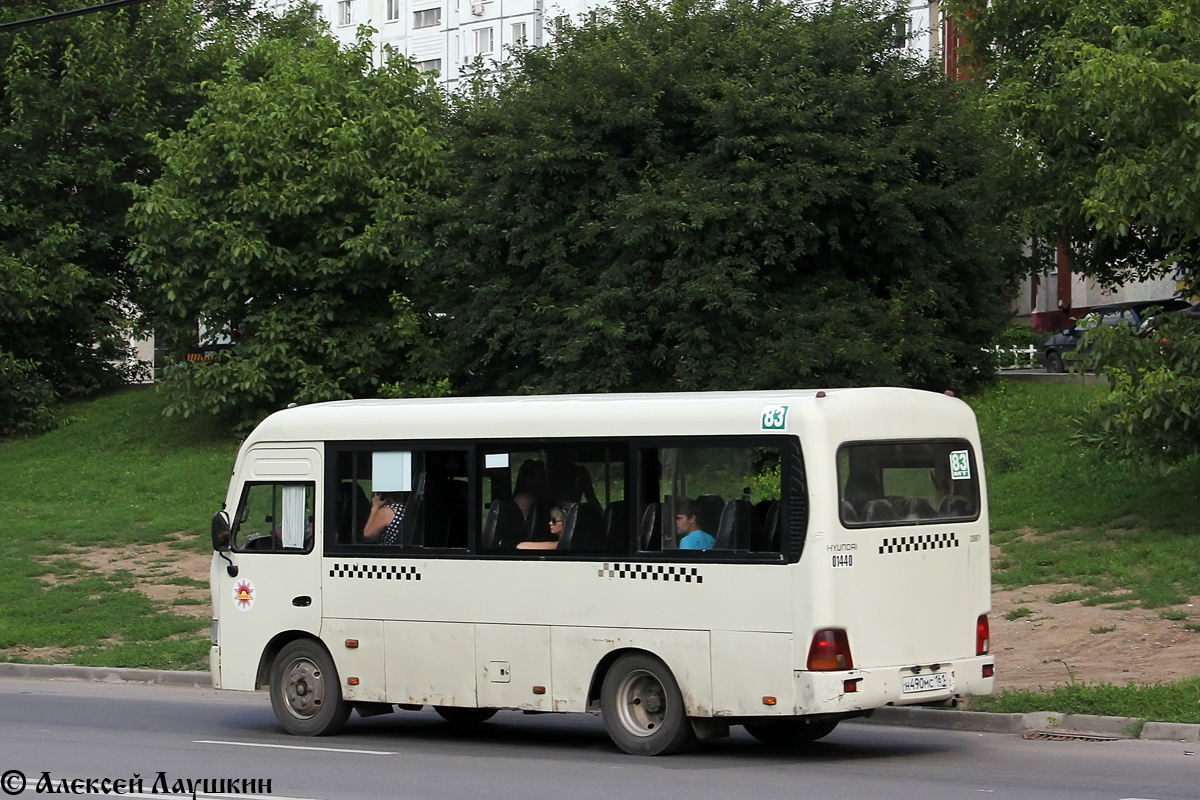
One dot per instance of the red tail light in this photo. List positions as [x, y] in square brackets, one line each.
[830, 651]
[983, 642]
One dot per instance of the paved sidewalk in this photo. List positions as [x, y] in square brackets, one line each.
[1043, 724]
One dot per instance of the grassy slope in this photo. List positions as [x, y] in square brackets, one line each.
[1062, 514]
[117, 473]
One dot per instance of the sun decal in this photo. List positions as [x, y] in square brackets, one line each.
[243, 595]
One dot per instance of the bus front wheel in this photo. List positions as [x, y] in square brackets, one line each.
[642, 707]
[306, 694]
[790, 732]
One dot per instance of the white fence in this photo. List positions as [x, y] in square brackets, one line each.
[1016, 357]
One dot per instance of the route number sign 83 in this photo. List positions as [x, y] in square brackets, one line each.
[774, 418]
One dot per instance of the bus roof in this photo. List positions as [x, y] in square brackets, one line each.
[895, 412]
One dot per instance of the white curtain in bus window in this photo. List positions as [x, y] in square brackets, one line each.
[293, 517]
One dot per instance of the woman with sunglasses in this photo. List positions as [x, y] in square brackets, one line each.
[558, 522]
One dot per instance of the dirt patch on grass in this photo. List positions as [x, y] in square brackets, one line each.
[45, 655]
[166, 573]
[1057, 643]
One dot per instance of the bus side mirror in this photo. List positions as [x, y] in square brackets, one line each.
[220, 531]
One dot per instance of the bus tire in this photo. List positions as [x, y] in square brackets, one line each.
[306, 693]
[457, 715]
[790, 732]
[642, 707]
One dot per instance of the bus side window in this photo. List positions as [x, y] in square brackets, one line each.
[521, 486]
[429, 485]
[722, 497]
[275, 517]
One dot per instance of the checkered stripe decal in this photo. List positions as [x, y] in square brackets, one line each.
[385, 572]
[651, 572]
[923, 541]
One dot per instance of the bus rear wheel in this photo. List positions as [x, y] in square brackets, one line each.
[642, 707]
[788, 733]
[306, 694]
[457, 715]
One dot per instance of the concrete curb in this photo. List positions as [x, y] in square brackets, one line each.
[1171, 731]
[70, 672]
[950, 719]
[902, 716]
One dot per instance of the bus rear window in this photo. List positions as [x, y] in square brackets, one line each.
[907, 483]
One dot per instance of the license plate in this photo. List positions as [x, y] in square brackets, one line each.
[932, 682]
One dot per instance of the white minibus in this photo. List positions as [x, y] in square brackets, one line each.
[680, 563]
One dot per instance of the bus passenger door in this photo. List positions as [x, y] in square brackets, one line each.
[276, 585]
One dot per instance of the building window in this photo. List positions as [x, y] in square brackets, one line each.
[483, 41]
[393, 10]
[902, 32]
[432, 65]
[518, 33]
[427, 18]
[344, 14]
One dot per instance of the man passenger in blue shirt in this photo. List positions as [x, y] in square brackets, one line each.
[688, 529]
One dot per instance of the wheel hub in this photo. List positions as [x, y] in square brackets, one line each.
[641, 703]
[305, 688]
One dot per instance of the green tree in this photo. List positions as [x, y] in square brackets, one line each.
[78, 98]
[1152, 411]
[1098, 97]
[702, 195]
[283, 209]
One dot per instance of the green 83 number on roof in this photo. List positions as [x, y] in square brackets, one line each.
[774, 418]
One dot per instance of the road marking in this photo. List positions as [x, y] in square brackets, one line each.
[297, 747]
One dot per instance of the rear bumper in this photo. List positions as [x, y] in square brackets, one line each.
[827, 692]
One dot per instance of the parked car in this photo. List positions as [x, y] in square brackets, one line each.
[1054, 351]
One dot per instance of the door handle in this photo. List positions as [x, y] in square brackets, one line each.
[303, 601]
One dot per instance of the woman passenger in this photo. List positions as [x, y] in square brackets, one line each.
[558, 522]
[387, 515]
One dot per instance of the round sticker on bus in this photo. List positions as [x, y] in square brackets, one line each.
[243, 594]
[960, 465]
[774, 418]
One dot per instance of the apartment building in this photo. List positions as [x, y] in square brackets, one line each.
[449, 35]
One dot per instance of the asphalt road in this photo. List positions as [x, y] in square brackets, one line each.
[87, 730]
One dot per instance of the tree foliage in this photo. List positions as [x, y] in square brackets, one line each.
[78, 98]
[283, 210]
[704, 195]
[1099, 97]
[1152, 411]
